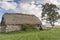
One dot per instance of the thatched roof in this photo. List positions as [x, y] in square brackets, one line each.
[19, 18]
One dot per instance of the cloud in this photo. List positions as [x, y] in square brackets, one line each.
[32, 0]
[7, 5]
[28, 1]
[29, 9]
[6, 0]
[25, 3]
[56, 2]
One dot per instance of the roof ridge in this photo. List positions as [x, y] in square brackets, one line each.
[19, 14]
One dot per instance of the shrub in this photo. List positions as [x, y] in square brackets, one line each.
[28, 26]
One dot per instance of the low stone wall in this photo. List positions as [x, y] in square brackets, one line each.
[10, 28]
[3, 29]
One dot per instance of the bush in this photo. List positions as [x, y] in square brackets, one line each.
[28, 26]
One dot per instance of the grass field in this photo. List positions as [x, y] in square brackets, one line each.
[52, 34]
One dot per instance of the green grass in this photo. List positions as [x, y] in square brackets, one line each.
[52, 34]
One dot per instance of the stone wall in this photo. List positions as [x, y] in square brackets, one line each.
[10, 28]
[3, 28]
[0, 28]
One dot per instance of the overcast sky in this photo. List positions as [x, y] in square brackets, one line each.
[24, 6]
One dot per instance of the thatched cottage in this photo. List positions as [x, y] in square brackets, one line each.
[15, 21]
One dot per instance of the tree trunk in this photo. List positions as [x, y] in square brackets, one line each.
[52, 24]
